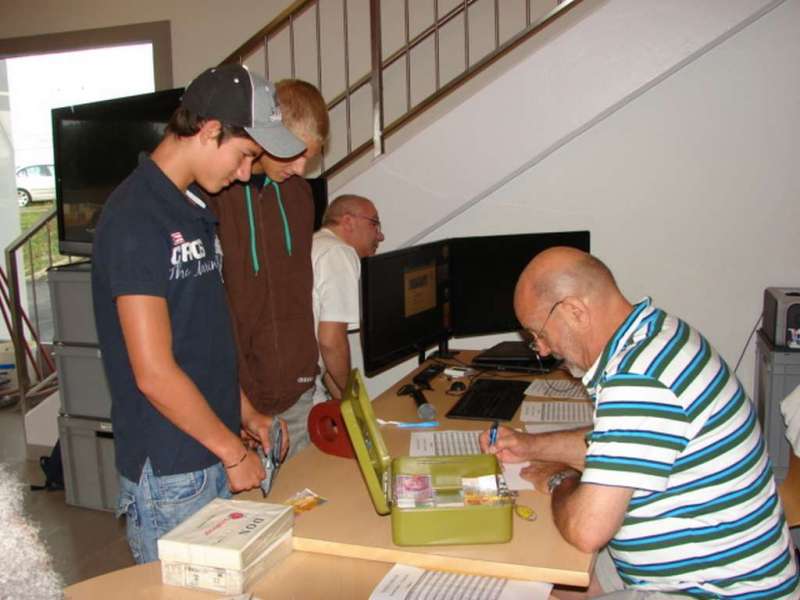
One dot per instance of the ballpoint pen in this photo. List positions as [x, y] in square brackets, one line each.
[493, 433]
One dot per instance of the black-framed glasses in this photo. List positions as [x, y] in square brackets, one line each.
[373, 220]
[536, 336]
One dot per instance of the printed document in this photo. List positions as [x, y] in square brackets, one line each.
[444, 443]
[404, 582]
[557, 388]
[579, 413]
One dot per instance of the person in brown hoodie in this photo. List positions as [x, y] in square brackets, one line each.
[265, 228]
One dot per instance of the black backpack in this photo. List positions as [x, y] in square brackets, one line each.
[53, 470]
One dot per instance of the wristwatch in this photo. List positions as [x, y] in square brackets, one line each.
[558, 478]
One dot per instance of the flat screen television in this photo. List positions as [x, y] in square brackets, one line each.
[484, 272]
[405, 304]
[95, 147]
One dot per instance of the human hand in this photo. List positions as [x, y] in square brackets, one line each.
[246, 474]
[510, 446]
[257, 429]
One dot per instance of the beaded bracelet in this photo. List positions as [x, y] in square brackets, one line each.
[238, 462]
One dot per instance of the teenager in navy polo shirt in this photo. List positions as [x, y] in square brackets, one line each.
[162, 319]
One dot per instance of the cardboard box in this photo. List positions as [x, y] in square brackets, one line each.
[226, 581]
[228, 534]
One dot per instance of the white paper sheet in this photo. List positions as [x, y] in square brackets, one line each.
[444, 443]
[557, 388]
[404, 582]
[557, 412]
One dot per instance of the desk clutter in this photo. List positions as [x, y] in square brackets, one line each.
[226, 545]
[431, 500]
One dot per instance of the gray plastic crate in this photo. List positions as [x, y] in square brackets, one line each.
[87, 451]
[777, 374]
[71, 299]
[82, 382]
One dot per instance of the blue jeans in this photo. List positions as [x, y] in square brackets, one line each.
[157, 505]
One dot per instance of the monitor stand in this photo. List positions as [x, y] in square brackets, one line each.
[443, 352]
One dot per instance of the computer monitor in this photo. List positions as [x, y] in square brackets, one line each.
[319, 191]
[405, 304]
[418, 297]
[484, 272]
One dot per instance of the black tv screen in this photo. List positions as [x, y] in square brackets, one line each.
[405, 304]
[484, 272]
[96, 146]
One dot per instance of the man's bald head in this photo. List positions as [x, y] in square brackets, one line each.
[355, 220]
[563, 271]
[346, 204]
[569, 302]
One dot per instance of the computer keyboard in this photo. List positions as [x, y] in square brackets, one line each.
[490, 399]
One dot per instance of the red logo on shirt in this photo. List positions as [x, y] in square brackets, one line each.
[177, 238]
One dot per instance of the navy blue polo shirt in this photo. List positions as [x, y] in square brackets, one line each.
[153, 240]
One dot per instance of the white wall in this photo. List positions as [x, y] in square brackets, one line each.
[203, 31]
[690, 189]
[9, 212]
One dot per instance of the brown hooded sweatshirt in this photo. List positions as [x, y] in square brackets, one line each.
[270, 293]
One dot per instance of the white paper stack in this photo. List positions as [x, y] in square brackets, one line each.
[226, 545]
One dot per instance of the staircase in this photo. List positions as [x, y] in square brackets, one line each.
[379, 71]
[648, 123]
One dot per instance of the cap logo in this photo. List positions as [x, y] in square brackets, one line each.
[275, 116]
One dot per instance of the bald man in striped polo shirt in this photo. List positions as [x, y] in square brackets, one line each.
[673, 480]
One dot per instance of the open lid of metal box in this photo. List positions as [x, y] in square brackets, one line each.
[371, 452]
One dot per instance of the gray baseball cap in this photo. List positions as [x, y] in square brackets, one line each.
[235, 96]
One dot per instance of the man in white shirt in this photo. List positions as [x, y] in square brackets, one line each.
[351, 230]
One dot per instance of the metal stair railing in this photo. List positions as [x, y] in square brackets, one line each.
[21, 328]
[287, 22]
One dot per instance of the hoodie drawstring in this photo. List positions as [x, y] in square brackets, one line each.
[287, 234]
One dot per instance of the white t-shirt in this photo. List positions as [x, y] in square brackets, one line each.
[337, 270]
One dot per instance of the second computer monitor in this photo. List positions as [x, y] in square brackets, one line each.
[484, 272]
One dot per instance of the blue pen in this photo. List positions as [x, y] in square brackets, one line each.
[417, 425]
[493, 433]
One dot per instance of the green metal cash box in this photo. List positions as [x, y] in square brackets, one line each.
[432, 500]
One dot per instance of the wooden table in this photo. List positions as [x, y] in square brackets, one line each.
[303, 576]
[347, 525]
[353, 536]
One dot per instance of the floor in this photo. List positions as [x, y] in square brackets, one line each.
[83, 543]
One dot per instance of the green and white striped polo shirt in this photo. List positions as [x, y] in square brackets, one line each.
[672, 422]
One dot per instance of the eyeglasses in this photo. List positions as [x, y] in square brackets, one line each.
[536, 336]
[373, 220]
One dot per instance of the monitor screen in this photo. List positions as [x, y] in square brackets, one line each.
[319, 191]
[484, 273]
[405, 304]
[96, 146]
